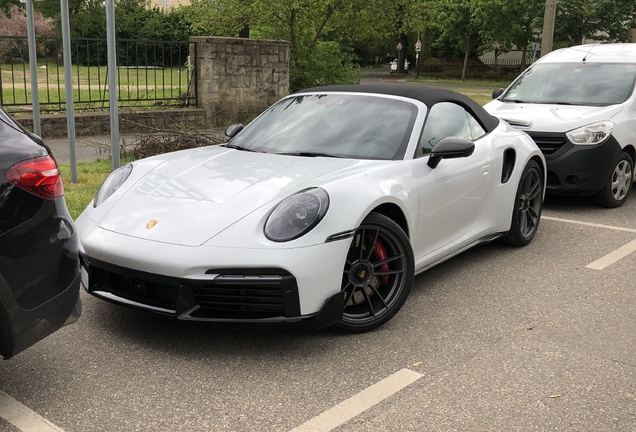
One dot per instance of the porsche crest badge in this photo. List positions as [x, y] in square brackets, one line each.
[151, 224]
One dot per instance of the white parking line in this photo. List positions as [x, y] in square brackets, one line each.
[613, 256]
[610, 258]
[359, 403]
[22, 417]
[590, 224]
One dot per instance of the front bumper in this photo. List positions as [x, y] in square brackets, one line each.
[206, 283]
[576, 169]
[258, 296]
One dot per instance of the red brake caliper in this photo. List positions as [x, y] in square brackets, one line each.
[381, 254]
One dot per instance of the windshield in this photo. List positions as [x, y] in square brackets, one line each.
[594, 84]
[337, 125]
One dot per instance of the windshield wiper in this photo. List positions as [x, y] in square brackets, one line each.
[309, 154]
[517, 101]
[238, 147]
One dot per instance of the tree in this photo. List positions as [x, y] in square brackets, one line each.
[14, 23]
[599, 20]
[320, 54]
[6, 4]
[321, 33]
[508, 24]
[457, 24]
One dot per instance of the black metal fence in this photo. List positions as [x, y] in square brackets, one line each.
[477, 69]
[149, 73]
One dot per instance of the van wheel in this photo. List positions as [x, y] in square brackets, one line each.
[618, 186]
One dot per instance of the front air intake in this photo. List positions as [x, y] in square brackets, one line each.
[247, 296]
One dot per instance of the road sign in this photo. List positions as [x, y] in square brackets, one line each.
[399, 46]
[418, 46]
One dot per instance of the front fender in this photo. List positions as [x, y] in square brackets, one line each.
[351, 199]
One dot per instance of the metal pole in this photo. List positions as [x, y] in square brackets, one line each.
[112, 82]
[417, 65]
[548, 26]
[418, 47]
[33, 66]
[68, 84]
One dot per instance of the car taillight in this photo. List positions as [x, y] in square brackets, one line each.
[38, 176]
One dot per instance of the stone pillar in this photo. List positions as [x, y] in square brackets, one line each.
[237, 78]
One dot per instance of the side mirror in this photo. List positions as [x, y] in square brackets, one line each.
[497, 92]
[232, 130]
[450, 148]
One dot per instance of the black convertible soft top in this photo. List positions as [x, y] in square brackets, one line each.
[427, 95]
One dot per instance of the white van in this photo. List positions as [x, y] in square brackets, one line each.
[578, 105]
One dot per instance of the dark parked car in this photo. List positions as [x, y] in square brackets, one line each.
[39, 264]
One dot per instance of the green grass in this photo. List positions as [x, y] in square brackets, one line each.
[93, 75]
[480, 99]
[90, 176]
[85, 100]
[91, 85]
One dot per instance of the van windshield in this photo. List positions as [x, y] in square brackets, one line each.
[593, 84]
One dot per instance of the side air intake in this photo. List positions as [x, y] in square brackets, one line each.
[509, 157]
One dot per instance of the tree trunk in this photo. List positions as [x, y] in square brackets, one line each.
[292, 29]
[402, 54]
[523, 58]
[245, 32]
[60, 56]
[497, 62]
[466, 59]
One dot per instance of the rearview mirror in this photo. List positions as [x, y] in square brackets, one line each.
[497, 92]
[232, 130]
[450, 148]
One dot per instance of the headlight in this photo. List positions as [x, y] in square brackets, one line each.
[297, 215]
[591, 134]
[112, 183]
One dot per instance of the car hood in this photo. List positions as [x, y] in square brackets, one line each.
[196, 194]
[550, 118]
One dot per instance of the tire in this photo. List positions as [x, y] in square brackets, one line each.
[526, 213]
[618, 186]
[378, 275]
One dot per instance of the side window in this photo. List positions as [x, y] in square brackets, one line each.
[475, 128]
[445, 119]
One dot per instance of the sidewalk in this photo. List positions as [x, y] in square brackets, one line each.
[86, 148]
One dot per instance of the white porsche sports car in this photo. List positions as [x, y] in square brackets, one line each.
[321, 211]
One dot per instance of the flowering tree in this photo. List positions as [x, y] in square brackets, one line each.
[14, 23]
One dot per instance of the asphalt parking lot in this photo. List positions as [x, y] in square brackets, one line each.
[499, 338]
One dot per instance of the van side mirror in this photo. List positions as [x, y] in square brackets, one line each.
[233, 130]
[497, 92]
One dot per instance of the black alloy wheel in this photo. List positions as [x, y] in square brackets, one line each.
[528, 205]
[378, 274]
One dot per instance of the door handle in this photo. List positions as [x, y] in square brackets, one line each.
[485, 169]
